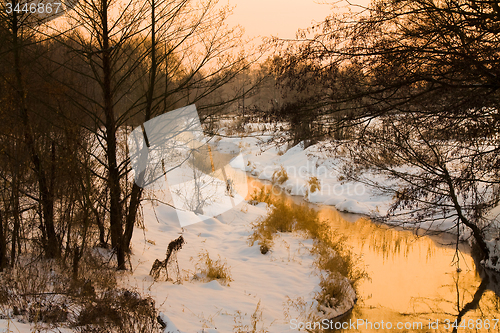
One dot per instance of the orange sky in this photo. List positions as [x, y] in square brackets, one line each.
[276, 17]
[280, 18]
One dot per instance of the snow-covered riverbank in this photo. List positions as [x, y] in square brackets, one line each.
[264, 287]
[266, 291]
[303, 165]
[269, 292]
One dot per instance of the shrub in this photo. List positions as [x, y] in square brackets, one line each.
[314, 184]
[35, 292]
[333, 291]
[95, 269]
[280, 176]
[261, 195]
[210, 269]
[118, 310]
[283, 217]
[50, 296]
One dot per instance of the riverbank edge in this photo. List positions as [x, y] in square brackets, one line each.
[276, 159]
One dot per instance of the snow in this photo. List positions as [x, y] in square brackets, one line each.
[262, 286]
[170, 326]
[196, 305]
[302, 164]
[284, 273]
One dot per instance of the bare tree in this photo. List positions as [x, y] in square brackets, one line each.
[139, 62]
[428, 72]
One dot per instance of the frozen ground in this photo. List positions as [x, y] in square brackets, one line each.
[267, 290]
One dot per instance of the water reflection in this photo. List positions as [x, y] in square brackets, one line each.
[415, 278]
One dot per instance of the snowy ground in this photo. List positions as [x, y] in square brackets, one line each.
[263, 160]
[270, 290]
[273, 279]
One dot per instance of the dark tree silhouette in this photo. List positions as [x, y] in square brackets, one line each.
[420, 82]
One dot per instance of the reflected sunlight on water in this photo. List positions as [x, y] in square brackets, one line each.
[412, 278]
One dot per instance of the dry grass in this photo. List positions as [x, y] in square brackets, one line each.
[333, 256]
[255, 320]
[46, 294]
[285, 217]
[332, 292]
[314, 184]
[210, 269]
[261, 195]
[280, 176]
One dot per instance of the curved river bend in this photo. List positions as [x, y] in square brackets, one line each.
[414, 284]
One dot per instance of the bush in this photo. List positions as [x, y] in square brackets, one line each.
[118, 310]
[261, 195]
[95, 269]
[210, 269]
[35, 292]
[314, 184]
[44, 293]
[333, 257]
[280, 176]
[333, 291]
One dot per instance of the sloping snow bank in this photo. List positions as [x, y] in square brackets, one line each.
[302, 164]
[262, 284]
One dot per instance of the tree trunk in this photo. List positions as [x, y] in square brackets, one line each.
[135, 196]
[102, 231]
[115, 209]
[17, 221]
[3, 245]
[135, 200]
[476, 231]
[51, 246]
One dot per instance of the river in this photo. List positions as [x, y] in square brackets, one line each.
[417, 282]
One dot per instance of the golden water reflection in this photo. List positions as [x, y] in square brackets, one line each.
[413, 278]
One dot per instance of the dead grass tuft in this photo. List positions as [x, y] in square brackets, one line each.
[314, 184]
[280, 176]
[210, 269]
[262, 194]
